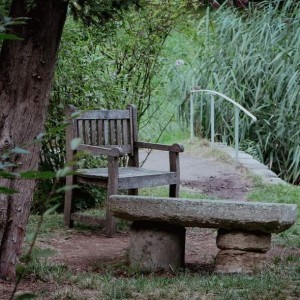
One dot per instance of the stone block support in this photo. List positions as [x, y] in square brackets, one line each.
[241, 251]
[157, 246]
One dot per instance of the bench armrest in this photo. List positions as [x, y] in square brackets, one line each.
[96, 150]
[162, 147]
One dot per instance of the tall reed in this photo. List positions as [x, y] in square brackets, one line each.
[254, 58]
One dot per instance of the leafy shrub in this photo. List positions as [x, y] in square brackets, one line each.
[252, 57]
[110, 67]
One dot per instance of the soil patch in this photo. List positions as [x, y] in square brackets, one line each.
[88, 251]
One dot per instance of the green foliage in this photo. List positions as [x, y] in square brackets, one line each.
[25, 296]
[252, 57]
[5, 24]
[281, 194]
[99, 12]
[51, 223]
[110, 67]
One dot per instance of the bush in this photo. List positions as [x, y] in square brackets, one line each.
[110, 67]
[252, 57]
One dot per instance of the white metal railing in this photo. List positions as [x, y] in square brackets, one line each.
[237, 108]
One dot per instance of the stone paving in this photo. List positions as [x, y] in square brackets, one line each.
[252, 165]
[199, 167]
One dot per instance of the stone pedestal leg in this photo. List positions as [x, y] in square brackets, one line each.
[156, 246]
[241, 251]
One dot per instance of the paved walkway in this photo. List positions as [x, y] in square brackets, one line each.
[252, 165]
[212, 175]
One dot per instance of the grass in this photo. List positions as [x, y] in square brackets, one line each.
[164, 192]
[281, 193]
[279, 282]
[251, 56]
[116, 280]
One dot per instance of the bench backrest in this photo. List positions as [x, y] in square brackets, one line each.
[105, 128]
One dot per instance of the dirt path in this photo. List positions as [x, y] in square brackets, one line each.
[86, 251]
[205, 174]
[89, 251]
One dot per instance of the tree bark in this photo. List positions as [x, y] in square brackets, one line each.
[26, 72]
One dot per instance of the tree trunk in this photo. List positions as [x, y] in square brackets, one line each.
[26, 72]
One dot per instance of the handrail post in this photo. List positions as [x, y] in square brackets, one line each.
[212, 121]
[236, 133]
[238, 107]
[191, 116]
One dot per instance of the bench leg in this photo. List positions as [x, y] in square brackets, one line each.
[174, 191]
[68, 205]
[156, 246]
[110, 224]
[241, 251]
[133, 192]
[112, 189]
[174, 167]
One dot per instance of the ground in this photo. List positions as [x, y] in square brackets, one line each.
[201, 173]
[85, 251]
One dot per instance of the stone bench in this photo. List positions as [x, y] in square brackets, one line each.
[157, 236]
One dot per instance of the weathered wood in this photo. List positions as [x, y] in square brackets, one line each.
[96, 150]
[129, 177]
[114, 133]
[162, 147]
[100, 132]
[126, 139]
[86, 132]
[124, 172]
[112, 189]
[134, 157]
[133, 192]
[70, 134]
[94, 133]
[174, 167]
[119, 132]
[90, 220]
[104, 114]
[106, 132]
[147, 181]
[80, 131]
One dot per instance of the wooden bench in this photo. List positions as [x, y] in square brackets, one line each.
[114, 134]
[157, 237]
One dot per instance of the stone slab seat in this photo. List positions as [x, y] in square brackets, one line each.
[158, 230]
[227, 214]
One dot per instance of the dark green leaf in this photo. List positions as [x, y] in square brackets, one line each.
[37, 175]
[51, 210]
[6, 165]
[63, 172]
[40, 136]
[25, 296]
[67, 188]
[6, 174]
[29, 237]
[20, 269]
[75, 143]
[19, 151]
[7, 191]
[5, 36]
